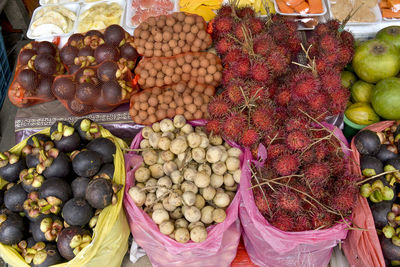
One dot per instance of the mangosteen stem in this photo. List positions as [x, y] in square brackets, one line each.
[60, 127]
[35, 141]
[3, 157]
[375, 176]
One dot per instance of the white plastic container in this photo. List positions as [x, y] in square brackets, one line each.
[375, 10]
[87, 6]
[299, 14]
[60, 2]
[73, 7]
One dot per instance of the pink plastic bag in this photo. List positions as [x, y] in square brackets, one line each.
[219, 249]
[269, 246]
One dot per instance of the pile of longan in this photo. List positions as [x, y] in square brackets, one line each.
[152, 105]
[170, 35]
[201, 67]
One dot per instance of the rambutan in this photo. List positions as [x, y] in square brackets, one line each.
[331, 58]
[258, 92]
[282, 221]
[286, 164]
[297, 140]
[263, 45]
[245, 12]
[235, 91]
[322, 29]
[317, 173]
[297, 109]
[321, 152]
[347, 39]
[228, 74]
[256, 25]
[222, 25]
[225, 10]
[279, 32]
[260, 72]
[242, 66]
[291, 26]
[213, 126]
[218, 107]
[262, 119]
[322, 219]
[238, 31]
[232, 56]
[278, 61]
[318, 191]
[296, 123]
[308, 156]
[331, 80]
[262, 201]
[339, 100]
[303, 223]
[293, 43]
[283, 97]
[323, 65]
[223, 45]
[303, 85]
[329, 44]
[275, 150]
[343, 200]
[345, 55]
[319, 102]
[249, 137]
[333, 25]
[234, 125]
[287, 199]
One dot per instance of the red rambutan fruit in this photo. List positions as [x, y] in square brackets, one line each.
[218, 107]
[319, 102]
[344, 199]
[222, 25]
[308, 156]
[225, 10]
[318, 191]
[331, 80]
[278, 61]
[282, 221]
[291, 26]
[256, 25]
[235, 91]
[258, 92]
[297, 140]
[321, 152]
[275, 150]
[303, 85]
[322, 219]
[232, 56]
[263, 45]
[213, 126]
[293, 43]
[238, 31]
[303, 223]
[223, 45]
[279, 33]
[249, 137]
[234, 125]
[329, 44]
[228, 74]
[296, 109]
[323, 65]
[242, 66]
[262, 119]
[286, 164]
[347, 39]
[339, 100]
[317, 173]
[333, 25]
[263, 202]
[322, 29]
[345, 55]
[283, 97]
[296, 123]
[245, 12]
[260, 72]
[287, 199]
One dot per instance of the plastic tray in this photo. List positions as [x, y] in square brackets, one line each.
[60, 2]
[299, 14]
[130, 12]
[5, 71]
[75, 7]
[375, 9]
[85, 7]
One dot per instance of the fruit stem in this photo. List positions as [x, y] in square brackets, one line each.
[85, 125]
[375, 176]
[262, 191]
[3, 157]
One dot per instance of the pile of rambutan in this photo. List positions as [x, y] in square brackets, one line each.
[277, 92]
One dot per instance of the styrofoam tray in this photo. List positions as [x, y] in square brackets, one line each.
[130, 12]
[299, 14]
[375, 10]
[85, 7]
[60, 2]
[73, 7]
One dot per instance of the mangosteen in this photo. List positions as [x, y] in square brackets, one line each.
[28, 79]
[72, 240]
[86, 52]
[38, 153]
[390, 250]
[386, 153]
[77, 108]
[114, 34]
[11, 165]
[87, 92]
[370, 166]
[106, 52]
[101, 192]
[79, 186]
[105, 147]
[87, 163]
[77, 211]
[107, 71]
[45, 64]
[25, 55]
[87, 129]
[68, 54]
[43, 255]
[2, 197]
[11, 227]
[14, 198]
[46, 229]
[44, 88]
[56, 188]
[36, 208]
[60, 167]
[65, 137]
[46, 47]
[106, 171]
[380, 211]
[367, 142]
[31, 180]
[76, 40]
[93, 39]
[129, 52]
[112, 92]
[37, 139]
[73, 68]
[63, 88]
[101, 104]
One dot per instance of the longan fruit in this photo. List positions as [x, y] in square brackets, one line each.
[177, 27]
[176, 78]
[202, 34]
[152, 118]
[178, 70]
[173, 105]
[186, 28]
[160, 22]
[171, 113]
[144, 105]
[158, 37]
[141, 81]
[186, 68]
[181, 43]
[209, 91]
[198, 115]
[195, 49]
[167, 36]
[195, 94]
[136, 105]
[200, 79]
[190, 19]
[217, 76]
[170, 21]
[180, 87]
[158, 65]
[190, 37]
[207, 41]
[199, 19]
[151, 110]
[197, 43]
[195, 63]
[143, 97]
[177, 50]
[213, 61]
[194, 30]
[150, 82]
[133, 112]
[188, 115]
[181, 16]
[175, 36]
[186, 48]
[156, 91]
[198, 101]
[172, 63]
[153, 101]
[142, 114]
[168, 53]
[161, 114]
[165, 47]
[160, 75]
[204, 62]
[200, 25]
[167, 80]
[142, 42]
[194, 73]
[160, 82]
[182, 36]
[140, 50]
[151, 21]
[164, 106]
[148, 53]
[219, 67]
[149, 45]
[204, 107]
[209, 78]
[152, 72]
[202, 72]
[172, 43]
[157, 45]
[144, 35]
[191, 84]
[157, 53]
[199, 88]
[185, 77]
[187, 99]
[191, 108]
[167, 99]
[169, 71]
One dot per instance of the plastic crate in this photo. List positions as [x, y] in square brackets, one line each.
[5, 71]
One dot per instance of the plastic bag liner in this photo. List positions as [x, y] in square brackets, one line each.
[362, 248]
[269, 246]
[110, 236]
[219, 249]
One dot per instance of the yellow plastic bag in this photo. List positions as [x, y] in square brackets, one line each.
[110, 236]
